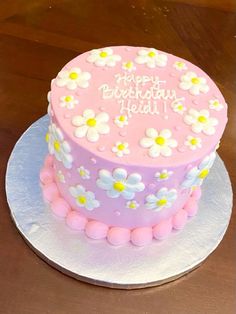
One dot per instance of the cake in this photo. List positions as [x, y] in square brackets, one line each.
[133, 133]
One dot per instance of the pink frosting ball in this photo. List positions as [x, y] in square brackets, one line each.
[197, 193]
[48, 162]
[141, 236]
[50, 192]
[118, 236]
[46, 175]
[180, 219]
[163, 229]
[60, 207]
[96, 230]
[76, 221]
[191, 207]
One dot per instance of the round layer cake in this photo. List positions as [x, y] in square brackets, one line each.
[132, 135]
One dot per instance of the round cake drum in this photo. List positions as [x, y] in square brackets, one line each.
[97, 262]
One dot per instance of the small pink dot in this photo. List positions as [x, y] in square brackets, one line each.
[173, 74]
[67, 115]
[117, 213]
[93, 160]
[152, 186]
[181, 149]
[177, 128]
[123, 133]
[195, 102]
[101, 148]
[102, 108]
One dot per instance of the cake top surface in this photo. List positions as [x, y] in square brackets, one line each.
[138, 106]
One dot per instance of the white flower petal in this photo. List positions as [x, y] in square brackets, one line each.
[102, 117]
[81, 131]
[146, 142]
[154, 151]
[92, 134]
[119, 174]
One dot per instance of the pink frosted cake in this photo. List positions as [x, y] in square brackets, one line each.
[132, 136]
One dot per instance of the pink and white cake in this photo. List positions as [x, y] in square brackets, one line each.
[132, 136]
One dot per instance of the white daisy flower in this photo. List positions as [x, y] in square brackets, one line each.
[103, 57]
[61, 176]
[119, 183]
[84, 198]
[193, 142]
[68, 102]
[196, 175]
[84, 173]
[164, 198]
[151, 57]
[201, 121]
[179, 65]
[215, 104]
[91, 125]
[121, 149]
[58, 146]
[194, 84]
[128, 66]
[132, 204]
[73, 78]
[178, 107]
[163, 175]
[159, 143]
[121, 121]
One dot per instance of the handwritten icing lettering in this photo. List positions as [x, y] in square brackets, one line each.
[133, 98]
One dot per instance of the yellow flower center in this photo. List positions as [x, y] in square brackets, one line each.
[161, 202]
[81, 199]
[203, 174]
[132, 205]
[47, 137]
[82, 173]
[179, 64]
[195, 80]
[193, 141]
[151, 54]
[163, 175]
[202, 119]
[73, 75]
[160, 140]
[180, 107]
[103, 54]
[216, 103]
[122, 118]
[91, 122]
[129, 65]
[121, 146]
[57, 146]
[119, 186]
[68, 98]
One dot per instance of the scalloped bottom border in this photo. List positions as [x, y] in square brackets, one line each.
[114, 235]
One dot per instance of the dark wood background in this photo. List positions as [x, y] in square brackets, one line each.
[36, 39]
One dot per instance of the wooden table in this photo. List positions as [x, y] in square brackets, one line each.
[37, 39]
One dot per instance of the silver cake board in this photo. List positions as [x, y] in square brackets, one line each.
[96, 261]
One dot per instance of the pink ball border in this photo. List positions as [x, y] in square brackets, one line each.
[114, 235]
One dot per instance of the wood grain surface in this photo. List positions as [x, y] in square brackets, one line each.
[36, 39]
